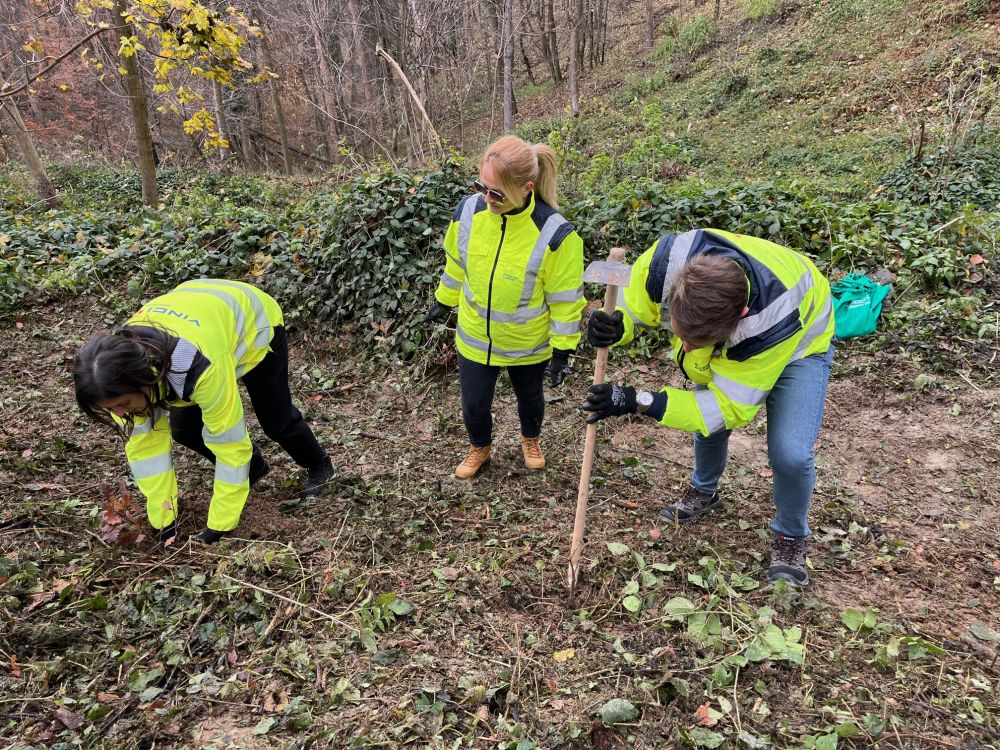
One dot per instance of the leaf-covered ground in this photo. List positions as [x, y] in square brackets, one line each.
[410, 609]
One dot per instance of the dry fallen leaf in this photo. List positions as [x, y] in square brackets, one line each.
[14, 669]
[68, 719]
[703, 716]
[564, 655]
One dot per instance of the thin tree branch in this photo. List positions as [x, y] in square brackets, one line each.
[4, 94]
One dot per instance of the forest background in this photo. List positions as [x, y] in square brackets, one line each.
[318, 149]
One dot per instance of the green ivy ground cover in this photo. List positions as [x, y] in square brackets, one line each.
[367, 252]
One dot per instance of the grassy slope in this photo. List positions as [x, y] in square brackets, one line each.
[830, 93]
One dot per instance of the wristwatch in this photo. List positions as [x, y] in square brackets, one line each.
[643, 400]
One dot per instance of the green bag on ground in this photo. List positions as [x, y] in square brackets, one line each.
[857, 303]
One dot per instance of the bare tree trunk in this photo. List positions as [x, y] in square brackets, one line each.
[279, 112]
[223, 124]
[650, 21]
[31, 159]
[524, 57]
[140, 114]
[507, 50]
[548, 9]
[326, 80]
[435, 139]
[365, 64]
[574, 61]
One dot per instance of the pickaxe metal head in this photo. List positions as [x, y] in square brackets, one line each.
[608, 272]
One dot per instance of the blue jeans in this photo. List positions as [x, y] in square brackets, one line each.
[794, 416]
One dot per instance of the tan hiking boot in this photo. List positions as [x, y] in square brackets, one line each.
[532, 450]
[477, 458]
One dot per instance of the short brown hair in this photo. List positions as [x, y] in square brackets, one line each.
[707, 300]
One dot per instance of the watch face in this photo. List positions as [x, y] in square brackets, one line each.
[645, 398]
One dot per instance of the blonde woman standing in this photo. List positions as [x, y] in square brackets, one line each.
[513, 268]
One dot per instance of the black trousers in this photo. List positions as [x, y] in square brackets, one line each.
[478, 386]
[267, 386]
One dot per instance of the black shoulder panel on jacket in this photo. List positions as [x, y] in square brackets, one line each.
[480, 205]
[541, 214]
[198, 366]
[658, 267]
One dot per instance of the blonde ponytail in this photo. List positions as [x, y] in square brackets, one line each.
[516, 163]
[545, 184]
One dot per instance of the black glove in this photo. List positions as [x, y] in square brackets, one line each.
[165, 535]
[437, 313]
[208, 536]
[605, 330]
[607, 400]
[558, 367]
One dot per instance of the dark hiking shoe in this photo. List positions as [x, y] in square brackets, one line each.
[259, 467]
[693, 504]
[319, 477]
[166, 535]
[788, 560]
[208, 536]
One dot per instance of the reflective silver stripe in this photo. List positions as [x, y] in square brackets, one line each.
[232, 474]
[521, 315]
[465, 229]
[485, 347]
[145, 468]
[678, 257]
[233, 435]
[570, 295]
[256, 304]
[739, 392]
[450, 282]
[786, 303]
[144, 428]
[817, 329]
[180, 362]
[635, 318]
[456, 260]
[237, 310]
[537, 257]
[260, 340]
[708, 405]
[564, 329]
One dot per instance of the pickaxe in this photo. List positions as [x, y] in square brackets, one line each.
[614, 273]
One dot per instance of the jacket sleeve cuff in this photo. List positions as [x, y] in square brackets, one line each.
[658, 407]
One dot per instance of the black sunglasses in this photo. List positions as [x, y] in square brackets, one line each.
[495, 195]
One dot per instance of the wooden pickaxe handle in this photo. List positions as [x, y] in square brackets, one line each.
[617, 255]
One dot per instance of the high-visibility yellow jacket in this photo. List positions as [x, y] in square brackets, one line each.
[224, 329]
[790, 317]
[517, 281]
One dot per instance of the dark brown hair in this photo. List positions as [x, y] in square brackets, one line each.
[707, 300]
[126, 362]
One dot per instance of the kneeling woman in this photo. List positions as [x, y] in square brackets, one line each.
[171, 371]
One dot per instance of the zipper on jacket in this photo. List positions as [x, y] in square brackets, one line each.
[489, 294]
[680, 363]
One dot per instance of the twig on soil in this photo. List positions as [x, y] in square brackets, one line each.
[965, 377]
[321, 613]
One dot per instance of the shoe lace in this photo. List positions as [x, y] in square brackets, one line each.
[692, 499]
[475, 454]
[532, 448]
[786, 550]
